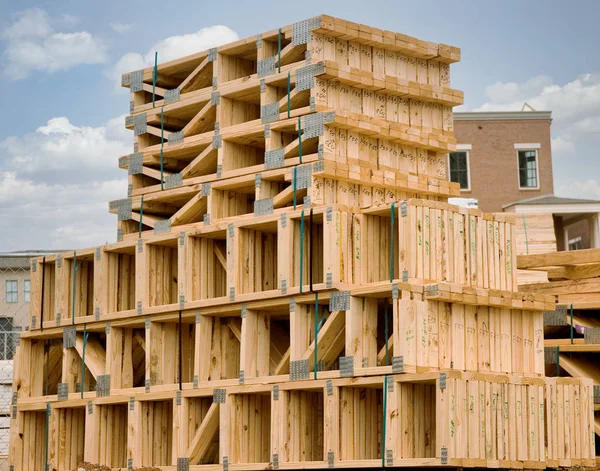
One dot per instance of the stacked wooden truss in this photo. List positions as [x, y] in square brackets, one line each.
[290, 288]
[572, 329]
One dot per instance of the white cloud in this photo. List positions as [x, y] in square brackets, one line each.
[171, 48]
[587, 189]
[32, 44]
[575, 110]
[121, 27]
[577, 99]
[55, 184]
[562, 146]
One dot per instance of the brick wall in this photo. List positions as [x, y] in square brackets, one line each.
[493, 159]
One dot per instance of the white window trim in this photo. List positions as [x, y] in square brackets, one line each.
[466, 151]
[537, 170]
[460, 147]
[532, 146]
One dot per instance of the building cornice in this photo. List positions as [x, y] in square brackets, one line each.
[501, 115]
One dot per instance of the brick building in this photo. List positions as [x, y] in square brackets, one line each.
[504, 161]
[502, 157]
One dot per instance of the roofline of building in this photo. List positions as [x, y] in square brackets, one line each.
[501, 115]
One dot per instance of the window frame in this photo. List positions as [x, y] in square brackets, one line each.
[537, 167]
[27, 291]
[15, 292]
[466, 149]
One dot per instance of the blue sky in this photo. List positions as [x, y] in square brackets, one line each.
[62, 127]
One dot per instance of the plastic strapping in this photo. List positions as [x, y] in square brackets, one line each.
[301, 249]
[526, 238]
[572, 327]
[172, 96]
[301, 31]
[289, 90]
[269, 113]
[392, 216]
[384, 421]
[74, 286]
[85, 339]
[339, 301]
[279, 50]
[154, 77]
[305, 76]
[162, 145]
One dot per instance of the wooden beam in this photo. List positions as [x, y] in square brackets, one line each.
[558, 258]
[195, 77]
[204, 435]
[189, 212]
[95, 355]
[202, 121]
[202, 163]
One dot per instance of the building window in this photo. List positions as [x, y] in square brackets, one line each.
[575, 244]
[459, 169]
[12, 291]
[27, 291]
[7, 338]
[528, 169]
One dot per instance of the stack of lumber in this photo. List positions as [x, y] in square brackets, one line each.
[290, 288]
[535, 235]
[571, 330]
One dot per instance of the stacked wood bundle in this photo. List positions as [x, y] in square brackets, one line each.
[290, 288]
[572, 329]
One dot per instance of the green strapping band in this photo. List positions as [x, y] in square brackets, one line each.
[383, 428]
[526, 238]
[294, 186]
[85, 338]
[317, 327]
[392, 238]
[572, 329]
[141, 216]
[47, 434]
[154, 76]
[74, 286]
[162, 144]
[300, 139]
[279, 50]
[301, 248]
[288, 94]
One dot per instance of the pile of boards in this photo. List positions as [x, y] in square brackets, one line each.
[572, 329]
[290, 288]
